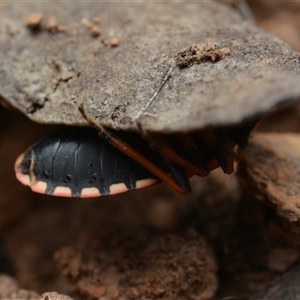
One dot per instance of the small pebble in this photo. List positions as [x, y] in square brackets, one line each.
[87, 23]
[95, 31]
[54, 296]
[114, 42]
[34, 21]
[53, 26]
[96, 20]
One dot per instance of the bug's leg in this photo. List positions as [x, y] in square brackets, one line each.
[221, 149]
[179, 174]
[160, 144]
[221, 143]
[183, 146]
[230, 137]
[192, 150]
[224, 151]
[203, 145]
[241, 135]
[114, 140]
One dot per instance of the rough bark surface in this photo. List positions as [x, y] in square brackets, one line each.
[270, 166]
[48, 69]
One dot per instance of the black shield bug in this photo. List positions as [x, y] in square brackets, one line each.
[84, 163]
[79, 164]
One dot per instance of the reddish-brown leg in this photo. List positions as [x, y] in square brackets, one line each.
[114, 140]
[161, 145]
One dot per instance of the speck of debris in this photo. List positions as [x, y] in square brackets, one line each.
[95, 31]
[87, 23]
[73, 40]
[54, 296]
[73, 97]
[118, 111]
[114, 42]
[34, 21]
[105, 42]
[93, 26]
[199, 53]
[12, 31]
[53, 25]
[96, 20]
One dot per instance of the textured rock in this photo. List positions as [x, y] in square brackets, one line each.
[47, 74]
[54, 296]
[285, 287]
[135, 267]
[9, 290]
[270, 166]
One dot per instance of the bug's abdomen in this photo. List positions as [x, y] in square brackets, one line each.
[80, 165]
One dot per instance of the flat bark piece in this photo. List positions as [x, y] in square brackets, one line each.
[270, 165]
[46, 74]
